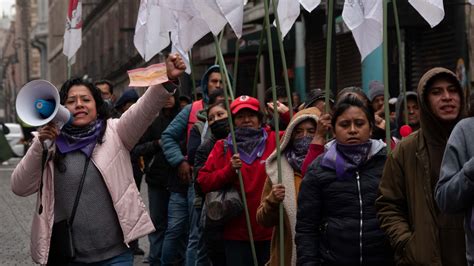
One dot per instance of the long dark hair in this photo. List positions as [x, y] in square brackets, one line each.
[348, 101]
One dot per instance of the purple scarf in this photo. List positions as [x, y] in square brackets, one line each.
[79, 138]
[250, 143]
[345, 159]
[296, 152]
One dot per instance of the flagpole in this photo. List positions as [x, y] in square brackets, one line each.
[257, 66]
[276, 116]
[388, 139]
[232, 133]
[283, 58]
[401, 67]
[68, 69]
[329, 37]
[222, 67]
[193, 81]
[236, 65]
[221, 35]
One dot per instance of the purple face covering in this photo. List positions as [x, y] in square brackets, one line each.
[250, 143]
[296, 152]
[79, 138]
[345, 159]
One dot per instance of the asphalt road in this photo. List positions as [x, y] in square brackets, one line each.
[15, 222]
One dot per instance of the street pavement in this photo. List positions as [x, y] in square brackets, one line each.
[16, 214]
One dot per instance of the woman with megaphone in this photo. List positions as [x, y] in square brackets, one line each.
[89, 208]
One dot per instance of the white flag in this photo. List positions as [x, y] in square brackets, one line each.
[209, 11]
[288, 12]
[152, 29]
[233, 12]
[176, 44]
[431, 10]
[364, 19]
[310, 5]
[190, 26]
[73, 33]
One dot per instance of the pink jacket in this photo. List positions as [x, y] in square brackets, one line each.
[112, 159]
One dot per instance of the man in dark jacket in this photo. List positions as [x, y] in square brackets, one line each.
[160, 176]
[413, 113]
[419, 233]
[456, 182]
[180, 204]
[129, 98]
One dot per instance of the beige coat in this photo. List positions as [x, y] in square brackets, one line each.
[268, 211]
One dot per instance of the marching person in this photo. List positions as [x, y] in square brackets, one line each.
[336, 221]
[255, 143]
[110, 212]
[294, 146]
[419, 233]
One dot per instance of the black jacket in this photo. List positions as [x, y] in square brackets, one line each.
[330, 215]
[200, 159]
[158, 172]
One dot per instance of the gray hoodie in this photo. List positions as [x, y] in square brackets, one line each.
[455, 188]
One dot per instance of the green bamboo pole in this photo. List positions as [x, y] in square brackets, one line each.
[401, 67]
[68, 69]
[221, 35]
[283, 58]
[257, 66]
[236, 66]
[193, 81]
[223, 68]
[329, 37]
[232, 132]
[277, 129]
[388, 139]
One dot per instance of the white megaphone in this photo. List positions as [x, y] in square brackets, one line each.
[38, 103]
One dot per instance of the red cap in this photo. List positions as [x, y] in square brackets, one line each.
[244, 101]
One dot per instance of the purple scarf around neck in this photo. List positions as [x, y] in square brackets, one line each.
[79, 138]
[345, 159]
[250, 143]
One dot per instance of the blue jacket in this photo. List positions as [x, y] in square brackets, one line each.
[176, 131]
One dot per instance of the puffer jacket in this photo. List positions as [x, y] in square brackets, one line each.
[178, 128]
[419, 233]
[336, 220]
[112, 159]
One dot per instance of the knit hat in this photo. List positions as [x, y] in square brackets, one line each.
[315, 95]
[244, 101]
[376, 88]
[128, 96]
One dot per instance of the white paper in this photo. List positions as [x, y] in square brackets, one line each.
[364, 19]
[431, 10]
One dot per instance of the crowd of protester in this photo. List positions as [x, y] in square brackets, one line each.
[346, 200]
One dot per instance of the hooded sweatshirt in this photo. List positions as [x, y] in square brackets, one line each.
[180, 127]
[456, 182]
[399, 110]
[418, 232]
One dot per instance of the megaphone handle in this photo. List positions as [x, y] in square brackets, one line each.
[47, 144]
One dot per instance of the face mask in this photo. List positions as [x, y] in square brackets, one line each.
[220, 128]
